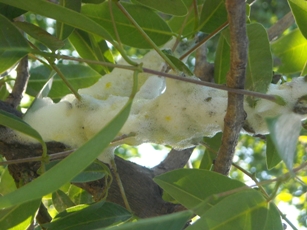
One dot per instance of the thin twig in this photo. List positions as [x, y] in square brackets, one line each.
[278, 28]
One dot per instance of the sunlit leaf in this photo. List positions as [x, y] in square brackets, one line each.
[62, 173]
[13, 122]
[156, 28]
[98, 215]
[244, 210]
[187, 185]
[179, 64]
[299, 10]
[7, 184]
[284, 132]
[40, 35]
[272, 156]
[19, 216]
[173, 221]
[79, 196]
[172, 7]
[213, 15]
[79, 76]
[291, 49]
[62, 30]
[13, 46]
[61, 201]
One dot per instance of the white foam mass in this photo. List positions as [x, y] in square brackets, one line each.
[164, 111]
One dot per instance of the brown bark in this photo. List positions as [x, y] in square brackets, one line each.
[235, 114]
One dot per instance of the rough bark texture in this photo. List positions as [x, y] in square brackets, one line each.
[235, 114]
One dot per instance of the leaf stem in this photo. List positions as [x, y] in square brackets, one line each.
[146, 37]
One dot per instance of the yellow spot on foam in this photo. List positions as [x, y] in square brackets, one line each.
[108, 85]
[168, 118]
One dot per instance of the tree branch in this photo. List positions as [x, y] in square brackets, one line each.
[235, 114]
[278, 28]
[20, 84]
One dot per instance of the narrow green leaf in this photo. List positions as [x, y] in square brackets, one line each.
[83, 43]
[272, 156]
[93, 172]
[13, 122]
[19, 216]
[212, 147]
[40, 35]
[187, 185]
[291, 49]
[244, 210]
[173, 221]
[93, 1]
[98, 215]
[172, 7]
[10, 12]
[62, 30]
[260, 64]
[213, 15]
[304, 71]
[299, 10]
[222, 60]
[13, 46]
[156, 28]
[61, 14]
[61, 201]
[284, 132]
[62, 173]
[273, 221]
[79, 76]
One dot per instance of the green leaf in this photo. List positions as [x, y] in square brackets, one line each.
[63, 30]
[291, 49]
[40, 35]
[13, 46]
[179, 64]
[88, 48]
[222, 60]
[173, 221]
[79, 76]
[19, 216]
[244, 210]
[284, 132]
[272, 156]
[10, 12]
[13, 122]
[304, 71]
[62, 173]
[172, 7]
[93, 1]
[260, 64]
[187, 185]
[7, 184]
[273, 220]
[98, 215]
[187, 25]
[79, 195]
[93, 172]
[212, 147]
[156, 28]
[61, 14]
[213, 15]
[61, 201]
[299, 10]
